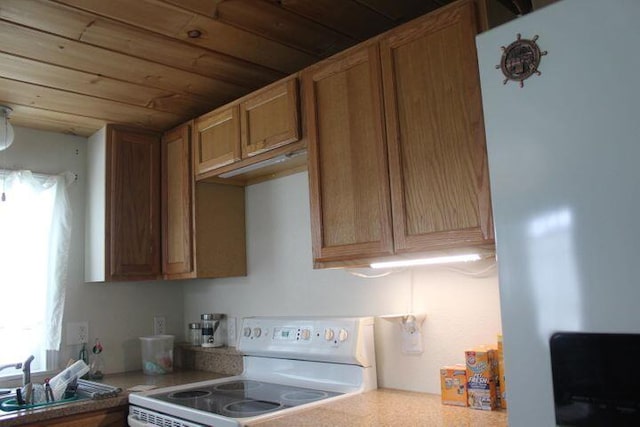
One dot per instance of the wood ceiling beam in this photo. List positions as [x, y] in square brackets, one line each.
[30, 43]
[270, 21]
[400, 10]
[53, 121]
[92, 29]
[30, 71]
[14, 92]
[346, 16]
[174, 22]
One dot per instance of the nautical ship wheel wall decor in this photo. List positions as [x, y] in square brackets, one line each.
[520, 60]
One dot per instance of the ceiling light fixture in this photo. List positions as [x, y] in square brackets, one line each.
[427, 261]
[6, 130]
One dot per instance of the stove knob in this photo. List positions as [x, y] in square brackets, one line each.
[257, 332]
[247, 332]
[343, 335]
[328, 334]
[305, 334]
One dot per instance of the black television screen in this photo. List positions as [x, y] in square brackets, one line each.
[595, 379]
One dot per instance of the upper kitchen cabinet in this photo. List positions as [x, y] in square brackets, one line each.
[270, 118]
[349, 187]
[435, 134]
[203, 227]
[176, 183]
[397, 157]
[217, 139]
[123, 205]
[246, 138]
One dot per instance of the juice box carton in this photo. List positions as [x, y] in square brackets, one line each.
[453, 385]
[502, 392]
[481, 378]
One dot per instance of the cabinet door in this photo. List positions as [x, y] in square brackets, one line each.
[349, 187]
[437, 153]
[217, 139]
[133, 204]
[116, 417]
[270, 119]
[177, 250]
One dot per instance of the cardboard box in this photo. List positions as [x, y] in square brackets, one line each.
[502, 384]
[481, 378]
[453, 385]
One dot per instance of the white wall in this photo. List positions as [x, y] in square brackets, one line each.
[118, 313]
[461, 311]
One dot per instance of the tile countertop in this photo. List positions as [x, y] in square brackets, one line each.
[386, 407]
[124, 381]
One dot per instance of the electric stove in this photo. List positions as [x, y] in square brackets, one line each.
[289, 364]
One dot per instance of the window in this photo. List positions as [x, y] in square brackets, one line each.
[35, 221]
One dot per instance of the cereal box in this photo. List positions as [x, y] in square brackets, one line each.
[481, 378]
[453, 385]
[502, 389]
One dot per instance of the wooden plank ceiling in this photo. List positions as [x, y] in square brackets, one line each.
[73, 65]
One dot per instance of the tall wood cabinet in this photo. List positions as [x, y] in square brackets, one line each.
[350, 198]
[147, 218]
[177, 201]
[203, 224]
[435, 133]
[123, 205]
[397, 157]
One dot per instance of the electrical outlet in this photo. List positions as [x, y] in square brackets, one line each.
[231, 331]
[77, 333]
[159, 325]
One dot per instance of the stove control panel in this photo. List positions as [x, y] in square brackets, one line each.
[340, 340]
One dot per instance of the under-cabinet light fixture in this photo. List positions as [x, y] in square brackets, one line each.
[427, 261]
[269, 162]
[6, 130]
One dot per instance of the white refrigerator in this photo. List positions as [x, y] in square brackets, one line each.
[564, 162]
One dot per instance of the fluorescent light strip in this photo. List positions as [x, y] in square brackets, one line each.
[427, 261]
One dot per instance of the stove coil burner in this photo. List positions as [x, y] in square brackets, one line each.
[250, 408]
[238, 386]
[299, 397]
[189, 394]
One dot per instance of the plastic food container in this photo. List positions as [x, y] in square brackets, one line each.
[157, 354]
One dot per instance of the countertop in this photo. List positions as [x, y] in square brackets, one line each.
[382, 407]
[125, 381]
[386, 407]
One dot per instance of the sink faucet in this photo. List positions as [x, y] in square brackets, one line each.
[26, 370]
[11, 365]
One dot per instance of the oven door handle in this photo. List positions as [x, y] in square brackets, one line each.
[134, 422]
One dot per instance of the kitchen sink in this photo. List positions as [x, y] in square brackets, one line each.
[9, 403]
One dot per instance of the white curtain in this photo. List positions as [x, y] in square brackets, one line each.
[35, 229]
